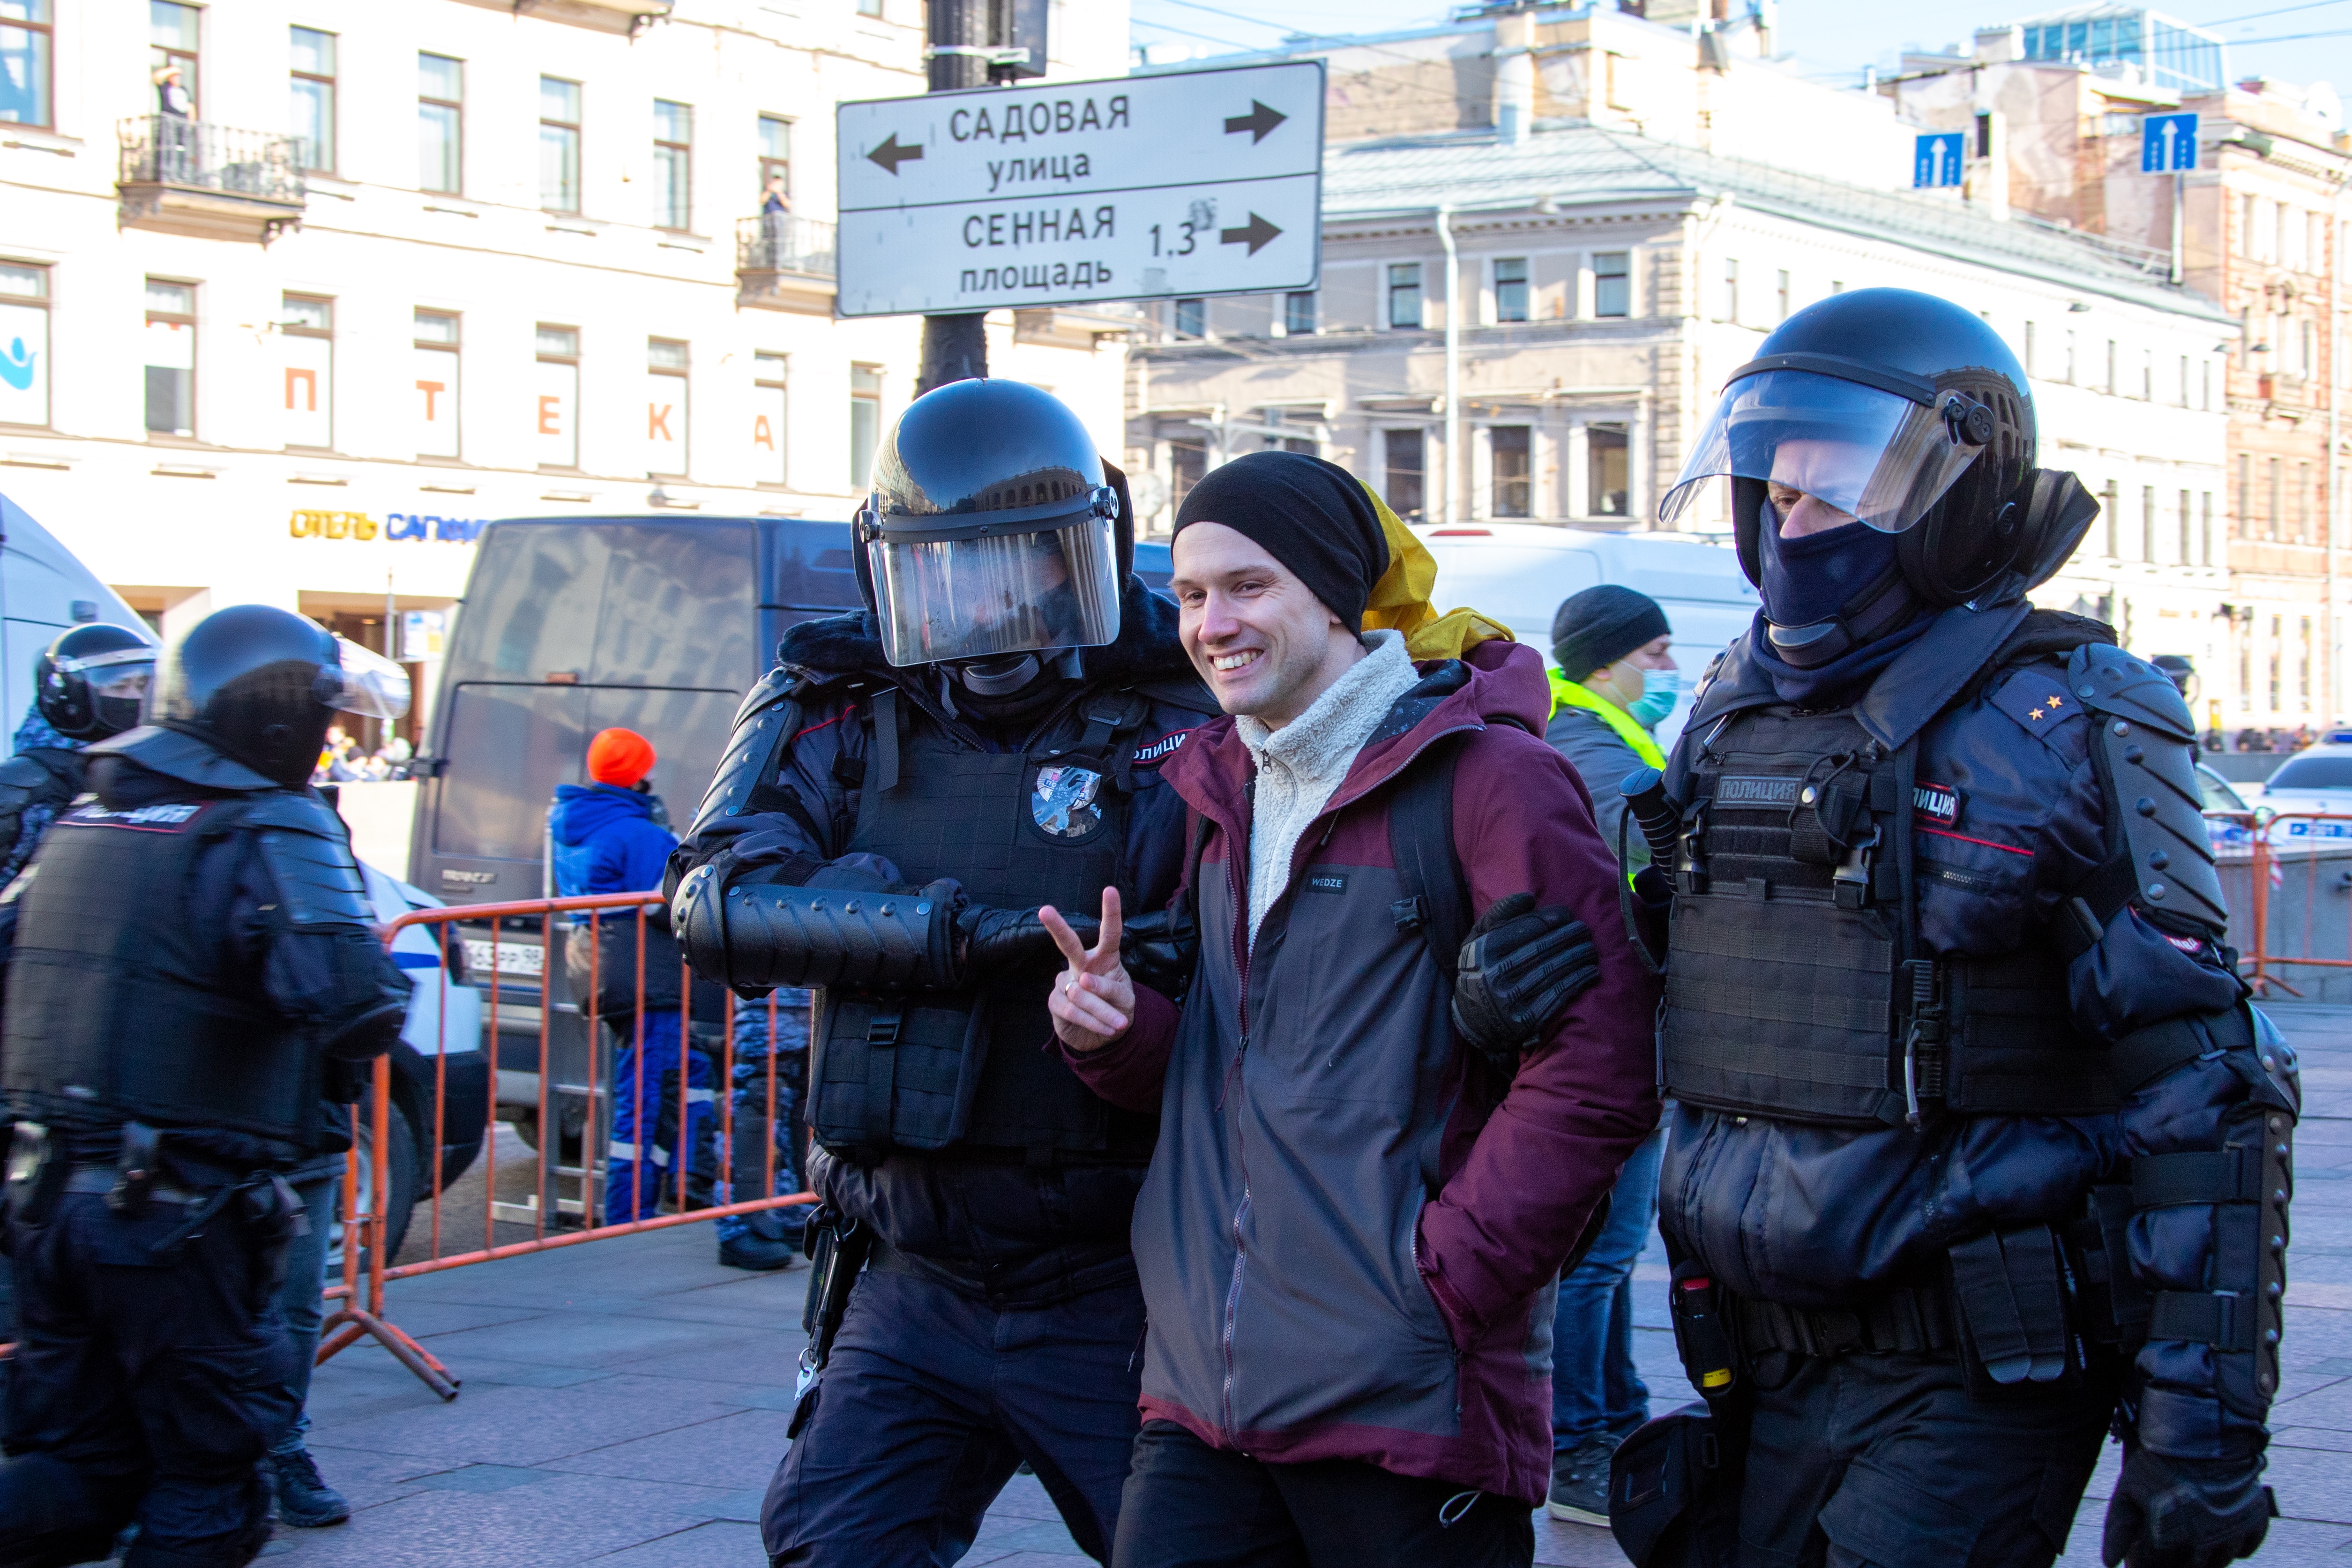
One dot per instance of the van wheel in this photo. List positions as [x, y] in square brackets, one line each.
[400, 1185]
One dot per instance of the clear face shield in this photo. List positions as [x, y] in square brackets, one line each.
[1875, 455]
[117, 675]
[365, 683]
[963, 586]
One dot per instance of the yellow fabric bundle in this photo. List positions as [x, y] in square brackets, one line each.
[1400, 600]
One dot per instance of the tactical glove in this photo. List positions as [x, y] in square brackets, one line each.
[1521, 968]
[1161, 949]
[991, 941]
[2186, 1513]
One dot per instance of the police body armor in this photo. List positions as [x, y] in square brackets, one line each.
[115, 1006]
[1795, 990]
[976, 1069]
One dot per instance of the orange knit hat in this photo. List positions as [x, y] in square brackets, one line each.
[619, 757]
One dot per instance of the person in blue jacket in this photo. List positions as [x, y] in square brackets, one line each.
[606, 839]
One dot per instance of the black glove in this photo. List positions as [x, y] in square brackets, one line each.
[2186, 1513]
[1161, 949]
[1521, 968]
[989, 941]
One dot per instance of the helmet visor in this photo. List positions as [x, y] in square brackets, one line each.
[121, 674]
[1874, 455]
[940, 599]
[365, 683]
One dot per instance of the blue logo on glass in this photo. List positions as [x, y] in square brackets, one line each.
[2167, 143]
[16, 365]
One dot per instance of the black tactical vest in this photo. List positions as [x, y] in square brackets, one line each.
[115, 1004]
[977, 1071]
[1789, 993]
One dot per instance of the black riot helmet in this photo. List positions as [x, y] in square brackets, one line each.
[263, 684]
[1911, 414]
[992, 532]
[90, 682]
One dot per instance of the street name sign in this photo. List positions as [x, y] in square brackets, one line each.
[1938, 158]
[2167, 143]
[1189, 183]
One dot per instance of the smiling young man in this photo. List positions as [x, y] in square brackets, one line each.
[1355, 1216]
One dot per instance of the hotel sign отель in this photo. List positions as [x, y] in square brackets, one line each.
[399, 526]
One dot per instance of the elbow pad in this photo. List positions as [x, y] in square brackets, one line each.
[771, 934]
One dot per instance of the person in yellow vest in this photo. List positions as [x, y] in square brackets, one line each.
[1616, 679]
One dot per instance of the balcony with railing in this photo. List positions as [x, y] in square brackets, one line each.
[785, 263]
[192, 177]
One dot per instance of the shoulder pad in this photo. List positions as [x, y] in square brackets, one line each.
[22, 775]
[2157, 807]
[769, 715]
[780, 680]
[308, 853]
[2109, 681]
[183, 757]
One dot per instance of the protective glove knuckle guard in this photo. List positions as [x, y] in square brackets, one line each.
[1520, 966]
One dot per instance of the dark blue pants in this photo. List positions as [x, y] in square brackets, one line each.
[1595, 1390]
[301, 1303]
[929, 1402]
[645, 1145]
[144, 1388]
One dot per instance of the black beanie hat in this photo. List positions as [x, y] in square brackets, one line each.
[1310, 515]
[1594, 630]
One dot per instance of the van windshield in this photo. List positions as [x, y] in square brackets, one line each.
[640, 604]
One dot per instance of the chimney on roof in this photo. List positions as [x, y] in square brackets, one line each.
[1515, 76]
[1999, 46]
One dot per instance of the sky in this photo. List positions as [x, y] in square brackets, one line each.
[1830, 40]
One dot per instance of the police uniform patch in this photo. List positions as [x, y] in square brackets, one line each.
[2038, 700]
[174, 818]
[1063, 801]
[1938, 803]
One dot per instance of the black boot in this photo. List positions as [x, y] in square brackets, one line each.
[304, 1499]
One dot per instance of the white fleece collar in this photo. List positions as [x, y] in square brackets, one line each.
[1300, 765]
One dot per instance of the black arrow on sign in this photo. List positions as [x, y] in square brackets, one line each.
[1256, 235]
[891, 155]
[1257, 121]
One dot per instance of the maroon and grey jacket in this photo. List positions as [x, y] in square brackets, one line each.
[1351, 1235]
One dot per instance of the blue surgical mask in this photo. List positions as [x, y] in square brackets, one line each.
[1660, 688]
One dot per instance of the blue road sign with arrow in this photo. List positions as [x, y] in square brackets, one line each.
[2167, 143]
[1940, 159]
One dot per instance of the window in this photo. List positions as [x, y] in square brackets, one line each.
[559, 145]
[2303, 502]
[1837, 286]
[25, 62]
[24, 343]
[2070, 357]
[2030, 368]
[171, 358]
[172, 40]
[1299, 313]
[776, 158]
[2205, 397]
[2277, 637]
[2246, 671]
[1612, 283]
[1605, 470]
[435, 365]
[2309, 351]
[2277, 512]
[2188, 532]
[2303, 664]
[2184, 381]
[1513, 473]
[2206, 553]
[1405, 452]
[1511, 288]
[2111, 511]
[673, 164]
[865, 421]
[1188, 464]
[2147, 375]
[1404, 294]
[440, 108]
[2147, 524]
[557, 378]
[2241, 241]
[869, 8]
[770, 389]
[665, 408]
[313, 83]
[1730, 289]
[2245, 496]
[1781, 303]
[2111, 367]
[1191, 318]
[306, 352]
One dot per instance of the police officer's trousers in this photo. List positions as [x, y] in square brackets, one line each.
[1887, 1461]
[145, 1388]
[932, 1399]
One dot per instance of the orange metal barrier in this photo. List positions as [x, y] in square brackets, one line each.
[2295, 914]
[367, 1264]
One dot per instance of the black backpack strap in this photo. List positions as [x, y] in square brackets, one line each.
[1421, 837]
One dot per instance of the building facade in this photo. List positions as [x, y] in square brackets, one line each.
[2058, 106]
[1604, 283]
[296, 294]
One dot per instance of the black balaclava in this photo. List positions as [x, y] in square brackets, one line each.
[1807, 584]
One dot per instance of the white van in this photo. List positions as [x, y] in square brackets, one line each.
[1518, 572]
[44, 589]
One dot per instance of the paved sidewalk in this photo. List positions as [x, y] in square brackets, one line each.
[625, 1402]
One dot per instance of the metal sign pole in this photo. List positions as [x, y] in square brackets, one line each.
[955, 346]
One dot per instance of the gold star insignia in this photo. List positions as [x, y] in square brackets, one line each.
[2036, 714]
[2056, 702]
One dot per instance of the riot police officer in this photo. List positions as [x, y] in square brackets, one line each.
[1978, 1146]
[194, 977]
[87, 685]
[902, 792]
